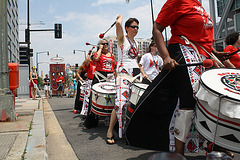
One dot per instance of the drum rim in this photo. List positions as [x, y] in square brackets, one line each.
[219, 94]
[103, 93]
[114, 93]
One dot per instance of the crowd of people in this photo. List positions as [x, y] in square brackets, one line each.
[101, 66]
[189, 22]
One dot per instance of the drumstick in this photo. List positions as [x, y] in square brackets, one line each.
[90, 44]
[102, 34]
[149, 79]
[207, 63]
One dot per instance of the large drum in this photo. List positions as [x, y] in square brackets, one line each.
[218, 107]
[103, 98]
[137, 89]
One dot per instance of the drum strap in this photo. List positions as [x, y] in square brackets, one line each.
[98, 74]
[82, 83]
[211, 55]
[128, 77]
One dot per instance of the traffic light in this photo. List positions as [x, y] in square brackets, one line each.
[27, 37]
[31, 53]
[24, 55]
[58, 30]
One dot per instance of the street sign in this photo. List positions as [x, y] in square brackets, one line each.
[57, 59]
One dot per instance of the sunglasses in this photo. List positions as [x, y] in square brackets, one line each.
[104, 43]
[133, 26]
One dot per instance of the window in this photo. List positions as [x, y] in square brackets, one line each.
[237, 18]
[9, 56]
[219, 46]
[8, 29]
[237, 3]
[8, 4]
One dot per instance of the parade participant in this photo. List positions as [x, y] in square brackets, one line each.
[89, 66]
[81, 79]
[127, 64]
[33, 82]
[74, 86]
[189, 19]
[150, 64]
[233, 42]
[60, 82]
[105, 67]
[46, 82]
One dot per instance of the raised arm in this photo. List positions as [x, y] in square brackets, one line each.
[98, 53]
[119, 30]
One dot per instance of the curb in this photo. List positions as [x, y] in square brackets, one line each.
[36, 145]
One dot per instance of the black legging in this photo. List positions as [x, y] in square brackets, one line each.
[78, 104]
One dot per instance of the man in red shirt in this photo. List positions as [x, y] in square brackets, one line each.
[60, 82]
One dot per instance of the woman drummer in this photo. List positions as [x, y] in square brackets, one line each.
[81, 78]
[89, 66]
[127, 64]
[188, 19]
[105, 67]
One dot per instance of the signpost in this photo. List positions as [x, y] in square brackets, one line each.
[57, 59]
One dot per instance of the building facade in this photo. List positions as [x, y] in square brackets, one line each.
[12, 31]
[229, 11]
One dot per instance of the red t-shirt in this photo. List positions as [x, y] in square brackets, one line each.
[60, 80]
[90, 70]
[235, 58]
[105, 64]
[187, 18]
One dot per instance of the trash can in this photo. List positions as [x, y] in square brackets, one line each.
[13, 76]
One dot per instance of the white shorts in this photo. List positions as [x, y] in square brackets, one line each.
[46, 88]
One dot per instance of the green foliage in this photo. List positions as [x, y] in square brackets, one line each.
[40, 82]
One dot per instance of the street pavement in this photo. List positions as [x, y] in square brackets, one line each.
[25, 137]
[48, 129]
[90, 144]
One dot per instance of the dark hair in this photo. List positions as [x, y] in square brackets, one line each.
[130, 21]
[232, 38]
[150, 45]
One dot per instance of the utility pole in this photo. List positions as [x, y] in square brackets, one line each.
[27, 36]
[3, 47]
[7, 110]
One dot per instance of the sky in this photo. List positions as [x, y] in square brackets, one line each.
[82, 22]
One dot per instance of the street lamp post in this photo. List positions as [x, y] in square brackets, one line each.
[42, 63]
[37, 59]
[74, 51]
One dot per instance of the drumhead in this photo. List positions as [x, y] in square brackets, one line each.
[104, 87]
[223, 81]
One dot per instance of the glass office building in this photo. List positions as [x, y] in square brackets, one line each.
[229, 11]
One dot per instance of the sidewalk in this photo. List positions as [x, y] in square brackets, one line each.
[25, 137]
